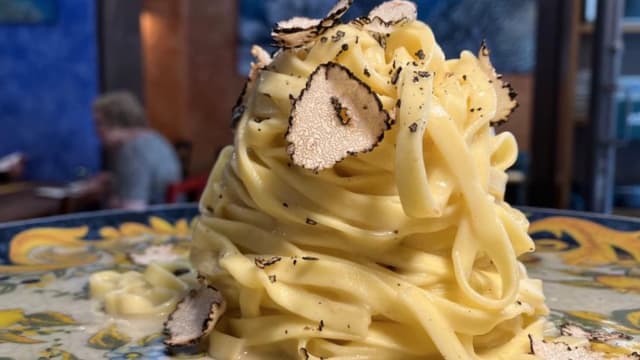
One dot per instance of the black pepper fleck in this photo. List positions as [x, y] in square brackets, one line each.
[413, 127]
[420, 54]
[396, 75]
[338, 35]
[311, 221]
[262, 263]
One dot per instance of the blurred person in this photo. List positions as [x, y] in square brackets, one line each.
[141, 162]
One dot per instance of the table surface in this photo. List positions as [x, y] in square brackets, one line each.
[20, 201]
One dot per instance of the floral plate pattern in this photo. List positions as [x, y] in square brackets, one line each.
[589, 264]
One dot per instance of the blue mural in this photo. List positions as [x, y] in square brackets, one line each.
[48, 79]
[509, 26]
[27, 11]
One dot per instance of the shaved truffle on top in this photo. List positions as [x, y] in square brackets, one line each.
[506, 95]
[299, 31]
[295, 32]
[335, 116]
[384, 16]
[394, 11]
[336, 12]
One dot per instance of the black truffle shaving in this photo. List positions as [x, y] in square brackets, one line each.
[334, 15]
[299, 31]
[384, 16]
[195, 316]
[506, 95]
[556, 350]
[263, 263]
[334, 96]
[574, 330]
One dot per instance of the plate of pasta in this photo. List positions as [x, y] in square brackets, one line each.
[359, 214]
[587, 262]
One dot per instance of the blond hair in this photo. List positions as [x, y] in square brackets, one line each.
[120, 109]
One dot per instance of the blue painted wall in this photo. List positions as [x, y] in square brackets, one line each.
[48, 79]
[509, 26]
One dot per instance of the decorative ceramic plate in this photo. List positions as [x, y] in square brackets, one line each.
[589, 264]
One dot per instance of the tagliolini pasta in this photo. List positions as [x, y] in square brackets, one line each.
[156, 291]
[408, 251]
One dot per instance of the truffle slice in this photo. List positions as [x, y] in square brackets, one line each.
[549, 350]
[154, 253]
[195, 316]
[390, 13]
[295, 32]
[298, 31]
[336, 12]
[592, 335]
[506, 95]
[336, 115]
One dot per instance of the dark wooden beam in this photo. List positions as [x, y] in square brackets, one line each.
[602, 139]
[552, 136]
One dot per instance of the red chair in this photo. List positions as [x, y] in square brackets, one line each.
[191, 188]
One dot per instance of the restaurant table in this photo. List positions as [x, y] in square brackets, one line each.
[20, 201]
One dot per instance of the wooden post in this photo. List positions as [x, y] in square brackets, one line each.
[190, 79]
